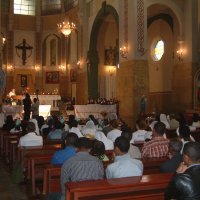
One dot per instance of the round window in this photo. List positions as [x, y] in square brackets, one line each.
[158, 50]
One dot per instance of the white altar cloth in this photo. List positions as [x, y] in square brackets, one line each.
[52, 100]
[83, 111]
[12, 110]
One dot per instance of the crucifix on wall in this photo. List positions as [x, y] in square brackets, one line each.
[24, 47]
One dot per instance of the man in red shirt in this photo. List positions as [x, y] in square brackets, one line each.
[158, 146]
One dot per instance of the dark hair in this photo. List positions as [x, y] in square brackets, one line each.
[73, 123]
[141, 124]
[159, 128]
[98, 149]
[195, 117]
[127, 135]
[184, 131]
[71, 139]
[192, 150]
[122, 143]
[114, 123]
[30, 127]
[83, 143]
[35, 100]
[93, 119]
[175, 145]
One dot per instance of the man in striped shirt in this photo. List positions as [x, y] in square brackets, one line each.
[81, 166]
[158, 146]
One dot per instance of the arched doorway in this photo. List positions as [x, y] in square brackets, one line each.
[106, 18]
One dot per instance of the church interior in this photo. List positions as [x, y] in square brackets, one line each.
[130, 57]
[122, 50]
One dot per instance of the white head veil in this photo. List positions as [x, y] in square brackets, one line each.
[36, 126]
[101, 137]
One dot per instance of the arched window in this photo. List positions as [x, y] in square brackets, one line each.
[158, 50]
[24, 7]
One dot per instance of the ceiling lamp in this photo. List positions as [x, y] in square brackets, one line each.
[66, 27]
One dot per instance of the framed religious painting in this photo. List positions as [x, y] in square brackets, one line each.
[73, 75]
[52, 77]
[24, 81]
[110, 58]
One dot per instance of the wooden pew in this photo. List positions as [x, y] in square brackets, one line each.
[51, 179]
[149, 187]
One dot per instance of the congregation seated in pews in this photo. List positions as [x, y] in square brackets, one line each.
[145, 150]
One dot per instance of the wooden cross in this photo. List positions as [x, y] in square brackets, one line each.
[24, 46]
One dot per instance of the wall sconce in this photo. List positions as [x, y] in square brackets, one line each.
[62, 68]
[180, 54]
[123, 51]
[78, 64]
[10, 68]
[37, 68]
[111, 70]
[3, 38]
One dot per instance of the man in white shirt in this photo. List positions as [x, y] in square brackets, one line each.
[124, 165]
[115, 133]
[31, 139]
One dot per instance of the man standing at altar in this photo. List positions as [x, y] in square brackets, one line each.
[27, 107]
[35, 108]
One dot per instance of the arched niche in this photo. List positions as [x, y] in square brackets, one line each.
[93, 55]
[51, 51]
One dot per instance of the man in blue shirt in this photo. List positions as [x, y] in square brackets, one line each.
[124, 165]
[61, 156]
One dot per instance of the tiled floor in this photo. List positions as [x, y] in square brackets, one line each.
[8, 190]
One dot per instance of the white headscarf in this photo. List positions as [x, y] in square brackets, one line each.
[101, 137]
[36, 126]
[89, 128]
[163, 119]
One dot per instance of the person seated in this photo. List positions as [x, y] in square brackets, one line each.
[2, 117]
[133, 151]
[100, 136]
[173, 122]
[124, 165]
[9, 123]
[89, 129]
[73, 127]
[108, 127]
[164, 120]
[116, 132]
[158, 146]
[175, 157]
[98, 150]
[60, 156]
[141, 134]
[186, 183]
[195, 120]
[183, 133]
[30, 139]
[82, 166]
[56, 131]
[37, 130]
[17, 127]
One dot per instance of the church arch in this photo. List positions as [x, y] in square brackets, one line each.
[93, 56]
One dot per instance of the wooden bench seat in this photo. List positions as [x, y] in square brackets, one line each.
[149, 187]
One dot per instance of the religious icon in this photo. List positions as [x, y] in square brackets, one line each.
[24, 46]
[23, 81]
[52, 77]
[73, 75]
[110, 58]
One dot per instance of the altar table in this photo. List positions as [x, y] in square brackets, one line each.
[83, 111]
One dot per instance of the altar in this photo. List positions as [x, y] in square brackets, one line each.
[52, 100]
[83, 111]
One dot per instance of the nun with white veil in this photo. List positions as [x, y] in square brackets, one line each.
[37, 131]
[99, 135]
[89, 129]
[164, 120]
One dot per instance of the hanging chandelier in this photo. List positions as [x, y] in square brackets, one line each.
[66, 27]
